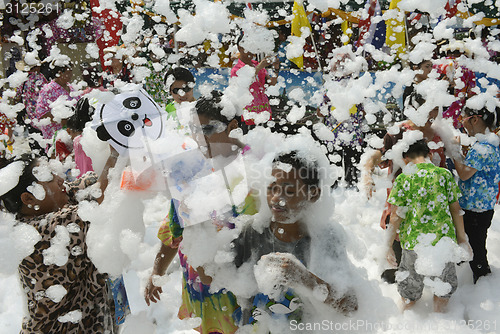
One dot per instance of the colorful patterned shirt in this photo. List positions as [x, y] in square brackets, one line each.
[462, 92]
[29, 92]
[91, 31]
[84, 287]
[350, 131]
[5, 123]
[215, 309]
[481, 189]
[153, 84]
[49, 93]
[427, 194]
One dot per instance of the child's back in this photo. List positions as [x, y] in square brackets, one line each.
[427, 193]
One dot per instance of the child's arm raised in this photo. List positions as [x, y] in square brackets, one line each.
[344, 304]
[366, 175]
[270, 60]
[393, 228]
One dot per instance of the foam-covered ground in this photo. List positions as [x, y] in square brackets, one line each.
[473, 308]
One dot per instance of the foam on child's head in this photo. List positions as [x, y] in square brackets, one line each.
[212, 107]
[490, 118]
[178, 74]
[307, 170]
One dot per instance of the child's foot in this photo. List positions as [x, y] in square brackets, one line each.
[440, 304]
[407, 304]
[389, 276]
[477, 276]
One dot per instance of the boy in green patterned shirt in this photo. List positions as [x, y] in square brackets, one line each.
[425, 199]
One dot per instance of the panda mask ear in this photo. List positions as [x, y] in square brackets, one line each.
[102, 133]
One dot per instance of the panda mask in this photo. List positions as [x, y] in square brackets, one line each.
[129, 120]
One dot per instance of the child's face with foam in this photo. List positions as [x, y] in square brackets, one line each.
[287, 195]
[423, 71]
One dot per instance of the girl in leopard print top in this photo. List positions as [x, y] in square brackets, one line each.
[65, 292]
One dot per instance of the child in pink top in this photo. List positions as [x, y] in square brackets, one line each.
[260, 101]
[83, 162]
[50, 93]
[76, 124]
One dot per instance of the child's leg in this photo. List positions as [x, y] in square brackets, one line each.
[449, 276]
[440, 304]
[476, 226]
[389, 275]
[411, 285]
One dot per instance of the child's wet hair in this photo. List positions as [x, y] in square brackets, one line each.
[491, 119]
[11, 201]
[210, 107]
[178, 74]
[83, 112]
[415, 100]
[307, 170]
[56, 70]
[91, 76]
[417, 149]
[417, 66]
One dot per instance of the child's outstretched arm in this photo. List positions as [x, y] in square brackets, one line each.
[163, 259]
[266, 62]
[367, 179]
[458, 221]
[393, 228]
[103, 179]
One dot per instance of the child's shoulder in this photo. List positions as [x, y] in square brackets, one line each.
[440, 173]
[483, 150]
[402, 177]
[443, 171]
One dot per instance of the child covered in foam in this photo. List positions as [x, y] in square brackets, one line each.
[285, 255]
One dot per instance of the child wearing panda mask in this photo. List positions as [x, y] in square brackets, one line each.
[212, 133]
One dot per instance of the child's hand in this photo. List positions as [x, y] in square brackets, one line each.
[368, 186]
[204, 278]
[269, 61]
[152, 292]
[277, 270]
[391, 258]
[294, 271]
[468, 249]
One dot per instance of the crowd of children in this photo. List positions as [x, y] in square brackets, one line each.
[425, 206]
